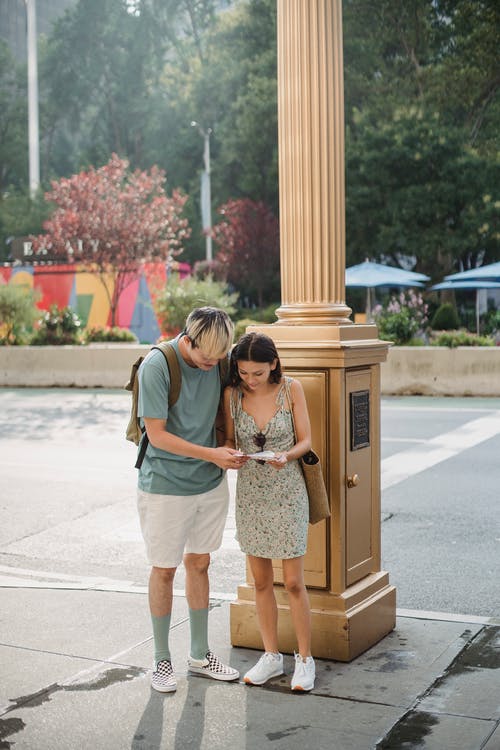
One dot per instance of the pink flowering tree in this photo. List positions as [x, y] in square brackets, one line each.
[110, 221]
[248, 249]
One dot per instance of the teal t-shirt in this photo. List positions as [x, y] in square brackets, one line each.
[192, 417]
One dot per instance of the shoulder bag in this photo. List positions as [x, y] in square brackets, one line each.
[319, 507]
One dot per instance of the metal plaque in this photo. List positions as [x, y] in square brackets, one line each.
[360, 420]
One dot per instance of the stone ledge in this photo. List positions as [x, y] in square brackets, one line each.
[92, 366]
[440, 371]
[429, 371]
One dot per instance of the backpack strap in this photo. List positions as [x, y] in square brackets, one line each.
[174, 368]
[168, 351]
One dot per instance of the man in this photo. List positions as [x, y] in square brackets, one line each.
[182, 489]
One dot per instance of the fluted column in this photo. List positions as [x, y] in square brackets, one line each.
[311, 162]
[353, 604]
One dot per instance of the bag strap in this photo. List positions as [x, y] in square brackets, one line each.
[288, 392]
[310, 457]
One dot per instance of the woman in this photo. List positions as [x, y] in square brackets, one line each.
[271, 498]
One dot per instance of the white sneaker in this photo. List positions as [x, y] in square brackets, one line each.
[211, 666]
[163, 678]
[269, 665]
[304, 675]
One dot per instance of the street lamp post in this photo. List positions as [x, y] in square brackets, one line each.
[206, 197]
[34, 153]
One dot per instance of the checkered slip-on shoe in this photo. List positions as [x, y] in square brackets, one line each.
[211, 666]
[163, 678]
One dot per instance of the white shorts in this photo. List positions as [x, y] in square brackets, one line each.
[174, 524]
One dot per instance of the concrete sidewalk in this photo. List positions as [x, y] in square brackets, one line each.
[75, 673]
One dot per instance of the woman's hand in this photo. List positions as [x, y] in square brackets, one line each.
[279, 461]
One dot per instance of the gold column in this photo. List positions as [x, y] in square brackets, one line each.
[352, 603]
[311, 145]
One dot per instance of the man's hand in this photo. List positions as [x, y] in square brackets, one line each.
[228, 458]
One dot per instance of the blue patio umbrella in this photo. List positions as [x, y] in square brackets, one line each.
[369, 275]
[491, 272]
[469, 283]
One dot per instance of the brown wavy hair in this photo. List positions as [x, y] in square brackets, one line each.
[254, 347]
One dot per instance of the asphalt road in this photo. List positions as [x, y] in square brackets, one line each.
[67, 499]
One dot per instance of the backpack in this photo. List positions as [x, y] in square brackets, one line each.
[134, 432]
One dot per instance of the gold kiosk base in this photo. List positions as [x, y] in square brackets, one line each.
[342, 626]
[352, 602]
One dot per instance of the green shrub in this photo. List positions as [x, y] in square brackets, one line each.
[18, 312]
[399, 327]
[491, 321]
[445, 318]
[404, 317]
[241, 325]
[175, 302]
[261, 315]
[453, 339]
[58, 326]
[104, 334]
[268, 314]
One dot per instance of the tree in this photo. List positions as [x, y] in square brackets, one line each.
[13, 123]
[230, 87]
[112, 79]
[20, 216]
[416, 189]
[466, 79]
[246, 124]
[102, 74]
[422, 131]
[98, 75]
[16, 215]
[440, 54]
[111, 220]
[128, 76]
[248, 238]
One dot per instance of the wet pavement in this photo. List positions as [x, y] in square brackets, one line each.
[76, 674]
[75, 645]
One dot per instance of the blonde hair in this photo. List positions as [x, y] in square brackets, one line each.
[211, 330]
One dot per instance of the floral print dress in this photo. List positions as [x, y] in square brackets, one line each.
[272, 509]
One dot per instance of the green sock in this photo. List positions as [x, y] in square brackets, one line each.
[198, 620]
[161, 629]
